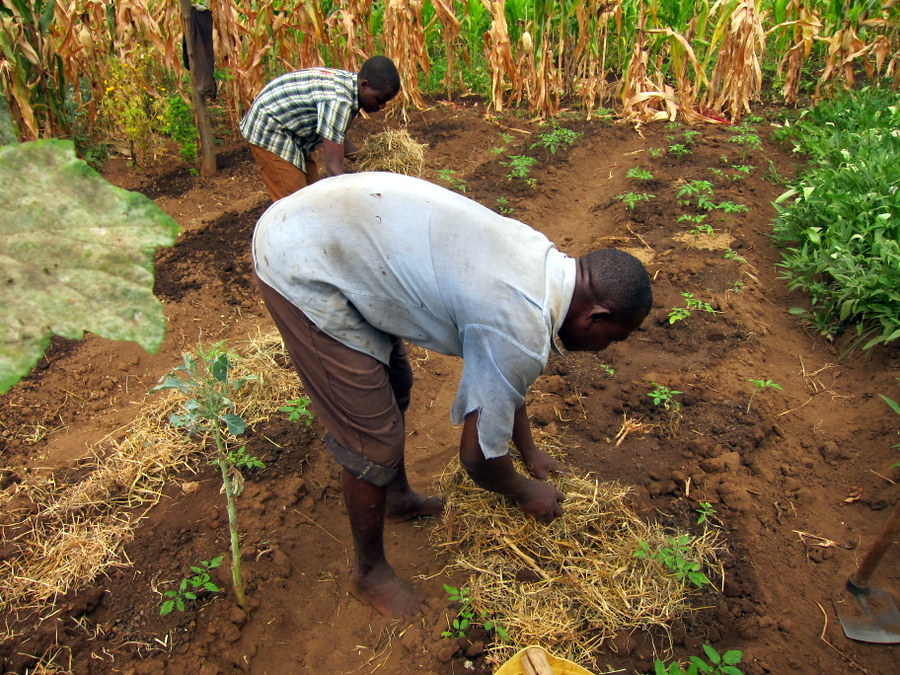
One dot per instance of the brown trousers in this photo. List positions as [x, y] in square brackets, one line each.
[280, 176]
[359, 399]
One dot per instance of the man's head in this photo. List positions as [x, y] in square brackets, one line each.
[379, 82]
[612, 298]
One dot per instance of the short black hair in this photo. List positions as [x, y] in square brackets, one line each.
[620, 281]
[381, 74]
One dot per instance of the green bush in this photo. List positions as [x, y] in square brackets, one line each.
[840, 223]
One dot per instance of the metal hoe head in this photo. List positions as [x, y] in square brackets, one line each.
[881, 624]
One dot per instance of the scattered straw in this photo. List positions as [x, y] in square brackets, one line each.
[392, 150]
[65, 535]
[569, 585]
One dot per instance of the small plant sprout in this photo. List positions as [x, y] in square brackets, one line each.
[630, 199]
[298, 410]
[759, 386]
[694, 188]
[209, 411]
[676, 558]
[737, 287]
[520, 167]
[664, 397]
[449, 176]
[679, 149]
[691, 304]
[244, 462]
[655, 153]
[506, 140]
[608, 369]
[705, 513]
[718, 664]
[466, 616]
[690, 135]
[503, 206]
[191, 587]
[731, 254]
[555, 138]
[639, 173]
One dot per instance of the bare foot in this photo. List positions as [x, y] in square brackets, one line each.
[408, 505]
[541, 464]
[385, 592]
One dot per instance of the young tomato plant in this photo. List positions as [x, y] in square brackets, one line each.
[630, 199]
[209, 411]
[466, 616]
[676, 558]
[190, 587]
[298, 409]
[718, 664]
[760, 385]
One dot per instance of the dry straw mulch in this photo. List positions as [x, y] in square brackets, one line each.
[392, 150]
[59, 537]
[570, 585]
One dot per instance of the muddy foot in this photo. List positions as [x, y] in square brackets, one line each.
[409, 505]
[390, 596]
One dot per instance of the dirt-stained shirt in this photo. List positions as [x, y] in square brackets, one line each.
[294, 112]
[369, 255]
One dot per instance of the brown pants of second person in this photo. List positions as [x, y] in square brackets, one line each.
[280, 176]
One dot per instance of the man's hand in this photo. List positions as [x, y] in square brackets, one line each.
[540, 500]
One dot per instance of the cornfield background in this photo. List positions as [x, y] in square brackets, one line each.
[93, 70]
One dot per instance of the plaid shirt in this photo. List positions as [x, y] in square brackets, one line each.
[295, 112]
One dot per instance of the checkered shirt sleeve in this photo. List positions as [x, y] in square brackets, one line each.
[295, 112]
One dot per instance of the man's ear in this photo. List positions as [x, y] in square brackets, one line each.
[599, 313]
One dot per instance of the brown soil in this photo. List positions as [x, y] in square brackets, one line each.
[801, 478]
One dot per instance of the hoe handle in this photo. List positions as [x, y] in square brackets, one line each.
[864, 572]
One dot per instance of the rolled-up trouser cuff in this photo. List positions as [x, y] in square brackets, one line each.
[359, 466]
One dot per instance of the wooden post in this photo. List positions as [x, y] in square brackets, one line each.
[201, 113]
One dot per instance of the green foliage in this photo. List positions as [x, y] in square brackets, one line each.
[639, 173]
[731, 254]
[631, 199]
[78, 256]
[676, 558]
[449, 177]
[298, 409]
[178, 124]
[503, 206]
[705, 513]
[840, 223]
[717, 664]
[693, 189]
[690, 304]
[556, 138]
[520, 167]
[466, 617]
[190, 587]
[760, 385]
[240, 460]
[679, 149]
[664, 397]
[608, 369]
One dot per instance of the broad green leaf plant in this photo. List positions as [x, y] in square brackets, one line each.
[76, 254]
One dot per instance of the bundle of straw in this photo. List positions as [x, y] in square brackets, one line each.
[569, 585]
[392, 150]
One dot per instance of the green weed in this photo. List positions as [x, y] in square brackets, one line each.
[760, 385]
[467, 617]
[676, 558]
[631, 199]
[639, 173]
[449, 176]
[556, 138]
[520, 167]
[298, 410]
[717, 664]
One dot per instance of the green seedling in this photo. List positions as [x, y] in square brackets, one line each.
[718, 664]
[209, 411]
[674, 558]
[679, 149]
[190, 587]
[608, 369]
[449, 176]
[298, 410]
[737, 287]
[503, 206]
[466, 617]
[639, 173]
[556, 138]
[746, 137]
[731, 254]
[694, 188]
[690, 135]
[520, 167]
[691, 304]
[507, 139]
[705, 513]
[732, 207]
[242, 461]
[630, 199]
[744, 168]
[718, 173]
[696, 219]
[760, 385]
[664, 397]
[655, 153]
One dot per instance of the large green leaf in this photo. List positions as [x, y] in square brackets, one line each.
[76, 254]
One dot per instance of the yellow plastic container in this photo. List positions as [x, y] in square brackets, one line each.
[537, 661]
